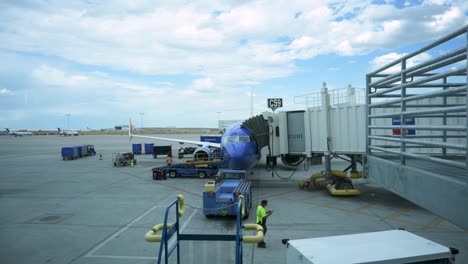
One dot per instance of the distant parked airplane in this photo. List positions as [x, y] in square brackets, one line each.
[68, 132]
[19, 133]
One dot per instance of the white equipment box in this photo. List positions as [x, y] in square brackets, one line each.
[395, 246]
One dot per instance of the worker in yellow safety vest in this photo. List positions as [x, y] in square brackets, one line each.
[262, 215]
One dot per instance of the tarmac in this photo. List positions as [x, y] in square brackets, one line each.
[87, 211]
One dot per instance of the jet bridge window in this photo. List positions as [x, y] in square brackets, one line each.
[237, 139]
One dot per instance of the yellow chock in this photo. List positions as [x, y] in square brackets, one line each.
[100, 155]
[132, 163]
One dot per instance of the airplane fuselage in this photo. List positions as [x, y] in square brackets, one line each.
[238, 148]
[68, 132]
[19, 133]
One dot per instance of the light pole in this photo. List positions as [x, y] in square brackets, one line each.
[141, 114]
[251, 101]
[219, 113]
[68, 121]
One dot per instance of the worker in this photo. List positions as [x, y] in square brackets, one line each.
[262, 215]
[169, 160]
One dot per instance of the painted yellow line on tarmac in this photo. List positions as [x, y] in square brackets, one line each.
[330, 204]
[360, 209]
[436, 222]
[397, 214]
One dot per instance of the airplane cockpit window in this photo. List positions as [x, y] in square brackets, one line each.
[237, 139]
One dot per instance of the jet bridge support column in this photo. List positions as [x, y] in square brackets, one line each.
[326, 113]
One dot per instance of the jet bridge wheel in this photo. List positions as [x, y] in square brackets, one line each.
[342, 183]
[344, 186]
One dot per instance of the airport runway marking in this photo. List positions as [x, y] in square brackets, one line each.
[123, 229]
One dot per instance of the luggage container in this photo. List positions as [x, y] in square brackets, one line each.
[136, 148]
[149, 148]
[70, 153]
[80, 150]
[162, 150]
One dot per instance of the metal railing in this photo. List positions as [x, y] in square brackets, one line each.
[349, 96]
[170, 230]
[419, 112]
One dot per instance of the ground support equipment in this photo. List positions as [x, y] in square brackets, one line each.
[212, 163]
[183, 170]
[123, 159]
[221, 196]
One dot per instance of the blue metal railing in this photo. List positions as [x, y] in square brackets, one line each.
[168, 233]
[173, 229]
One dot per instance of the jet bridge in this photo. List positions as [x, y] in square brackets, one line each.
[417, 127]
[331, 124]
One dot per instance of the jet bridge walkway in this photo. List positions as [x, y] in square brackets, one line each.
[417, 127]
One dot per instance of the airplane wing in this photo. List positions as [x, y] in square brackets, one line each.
[181, 141]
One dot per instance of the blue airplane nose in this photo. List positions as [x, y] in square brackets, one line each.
[240, 155]
[239, 149]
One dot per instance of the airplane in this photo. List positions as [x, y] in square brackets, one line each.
[68, 132]
[18, 133]
[238, 147]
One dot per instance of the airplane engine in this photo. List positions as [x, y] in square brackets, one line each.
[203, 153]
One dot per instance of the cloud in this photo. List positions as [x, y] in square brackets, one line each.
[105, 96]
[384, 60]
[199, 38]
[388, 58]
[203, 85]
[53, 76]
[115, 58]
[5, 92]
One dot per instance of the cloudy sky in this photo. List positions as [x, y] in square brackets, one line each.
[190, 63]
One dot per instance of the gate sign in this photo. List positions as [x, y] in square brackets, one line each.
[274, 103]
[396, 121]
